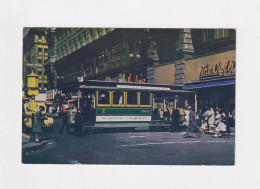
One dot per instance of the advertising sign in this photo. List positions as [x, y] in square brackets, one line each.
[50, 94]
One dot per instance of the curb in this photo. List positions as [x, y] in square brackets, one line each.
[225, 134]
[32, 146]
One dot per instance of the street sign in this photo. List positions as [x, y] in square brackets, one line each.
[32, 64]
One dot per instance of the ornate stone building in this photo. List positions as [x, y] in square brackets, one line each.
[203, 60]
[210, 71]
[129, 55]
[199, 59]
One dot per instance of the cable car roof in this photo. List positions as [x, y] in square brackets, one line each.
[119, 86]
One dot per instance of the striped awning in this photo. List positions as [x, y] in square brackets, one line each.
[208, 84]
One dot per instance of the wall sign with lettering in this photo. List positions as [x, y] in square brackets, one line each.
[218, 70]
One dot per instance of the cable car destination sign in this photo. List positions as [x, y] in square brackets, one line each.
[218, 70]
[143, 87]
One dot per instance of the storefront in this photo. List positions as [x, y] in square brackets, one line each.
[213, 78]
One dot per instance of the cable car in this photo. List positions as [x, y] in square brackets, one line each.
[108, 104]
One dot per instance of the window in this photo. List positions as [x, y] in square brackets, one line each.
[208, 35]
[118, 98]
[40, 51]
[232, 33]
[145, 98]
[221, 33]
[36, 38]
[131, 98]
[103, 97]
[46, 52]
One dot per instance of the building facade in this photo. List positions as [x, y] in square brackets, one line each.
[35, 55]
[128, 55]
[210, 71]
[203, 60]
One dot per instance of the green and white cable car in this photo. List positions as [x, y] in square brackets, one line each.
[117, 104]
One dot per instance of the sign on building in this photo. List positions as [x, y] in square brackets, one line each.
[50, 94]
[40, 97]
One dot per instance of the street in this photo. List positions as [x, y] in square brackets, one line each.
[120, 146]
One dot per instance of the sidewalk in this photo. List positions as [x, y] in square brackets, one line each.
[232, 134]
[28, 146]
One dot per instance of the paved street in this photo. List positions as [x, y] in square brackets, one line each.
[132, 147]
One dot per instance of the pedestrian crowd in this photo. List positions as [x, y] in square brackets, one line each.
[215, 120]
[72, 116]
[210, 119]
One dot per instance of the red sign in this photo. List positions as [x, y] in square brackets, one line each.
[137, 79]
[80, 79]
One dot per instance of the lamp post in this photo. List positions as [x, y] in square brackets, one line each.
[131, 56]
[60, 78]
[32, 85]
[136, 57]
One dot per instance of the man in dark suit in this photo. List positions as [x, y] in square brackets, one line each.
[175, 120]
[193, 127]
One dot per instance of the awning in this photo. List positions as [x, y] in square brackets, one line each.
[208, 84]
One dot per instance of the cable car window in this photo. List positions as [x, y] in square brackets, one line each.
[145, 99]
[118, 98]
[103, 98]
[132, 98]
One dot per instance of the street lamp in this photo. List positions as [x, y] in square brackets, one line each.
[60, 78]
[138, 56]
[131, 55]
[32, 85]
[59, 92]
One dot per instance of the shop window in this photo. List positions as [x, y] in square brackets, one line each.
[118, 98]
[132, 98]
[145, 98]
[103, 98]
